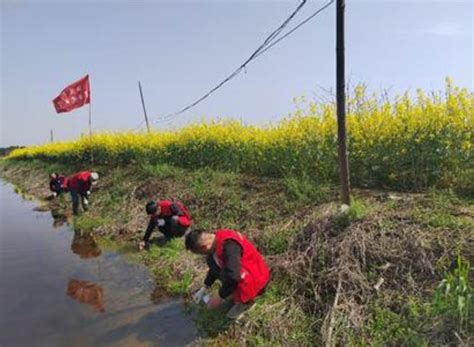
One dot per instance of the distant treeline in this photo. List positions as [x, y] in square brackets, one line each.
[4, 151]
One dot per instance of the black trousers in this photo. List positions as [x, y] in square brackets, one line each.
[172, 229]
[76, 197]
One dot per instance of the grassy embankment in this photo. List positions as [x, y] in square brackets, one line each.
[316, 254]
[392, 270]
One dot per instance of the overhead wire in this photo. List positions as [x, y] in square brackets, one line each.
[296, 27]
[256, 53]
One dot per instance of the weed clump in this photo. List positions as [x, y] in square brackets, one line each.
[356, 271]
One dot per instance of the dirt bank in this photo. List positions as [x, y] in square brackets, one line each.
[368, 276]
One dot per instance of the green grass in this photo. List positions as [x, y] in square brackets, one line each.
[387, 328]
[305, 191]
[212, 323]
[171, 250]
[441, 219]
[273, 213]
[181, 285]
[357, 211]
[267, 313]
[162, 171]
[454, 296]
[86, 222]
[275, 243]
[164, 262]
[424, 323]
[442, 212]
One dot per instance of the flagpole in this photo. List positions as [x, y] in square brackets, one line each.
[90, 118]
[90, 133]
[90, 124]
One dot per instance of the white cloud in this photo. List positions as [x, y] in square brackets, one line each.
[444, 29]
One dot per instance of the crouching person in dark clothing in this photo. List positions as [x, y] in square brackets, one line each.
[236, 262]
[171, 217]
[80, 185]
[57, 184]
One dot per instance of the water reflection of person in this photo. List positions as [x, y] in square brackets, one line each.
[87, 292]
[59, 218]
[84, 245]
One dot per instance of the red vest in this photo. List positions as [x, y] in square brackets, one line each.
[80, 176]
[254, 272]
[165, 205]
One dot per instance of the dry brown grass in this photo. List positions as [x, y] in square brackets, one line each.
[329, 270]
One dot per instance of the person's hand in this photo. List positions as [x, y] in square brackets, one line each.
[197, 296]
[141, 245]
[88, 193]
[175, 218]
[161, 222]
[214, 302]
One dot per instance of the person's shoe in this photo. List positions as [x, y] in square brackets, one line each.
[237, 311]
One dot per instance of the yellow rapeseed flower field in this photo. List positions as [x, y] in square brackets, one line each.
[408, 142]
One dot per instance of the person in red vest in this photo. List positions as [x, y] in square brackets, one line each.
[57, 184]
[79, 186]
[236, 262]
[171, 217]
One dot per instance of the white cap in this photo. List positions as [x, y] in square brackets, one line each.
[94, 176]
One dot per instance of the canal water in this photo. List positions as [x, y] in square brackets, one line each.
[58, 288]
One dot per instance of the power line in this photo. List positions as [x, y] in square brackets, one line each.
[296, 27]
[262, 49]
[256, 53]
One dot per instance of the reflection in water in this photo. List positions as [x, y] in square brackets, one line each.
[58, 223]
[59, 217]
[41, 208]
[167, 325]
[65, 300]
[87, 292]
[84, 245]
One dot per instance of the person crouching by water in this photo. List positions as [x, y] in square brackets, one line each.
[171, 217]
[57, 184]
[79, 186]
[236, 262]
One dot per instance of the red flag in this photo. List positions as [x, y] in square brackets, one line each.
[73, 96]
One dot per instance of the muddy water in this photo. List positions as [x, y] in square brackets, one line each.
[58, 288]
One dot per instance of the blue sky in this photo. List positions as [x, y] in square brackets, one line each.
[181, 49]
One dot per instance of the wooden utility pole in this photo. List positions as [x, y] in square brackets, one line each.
[143, 104]
[341, 103]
